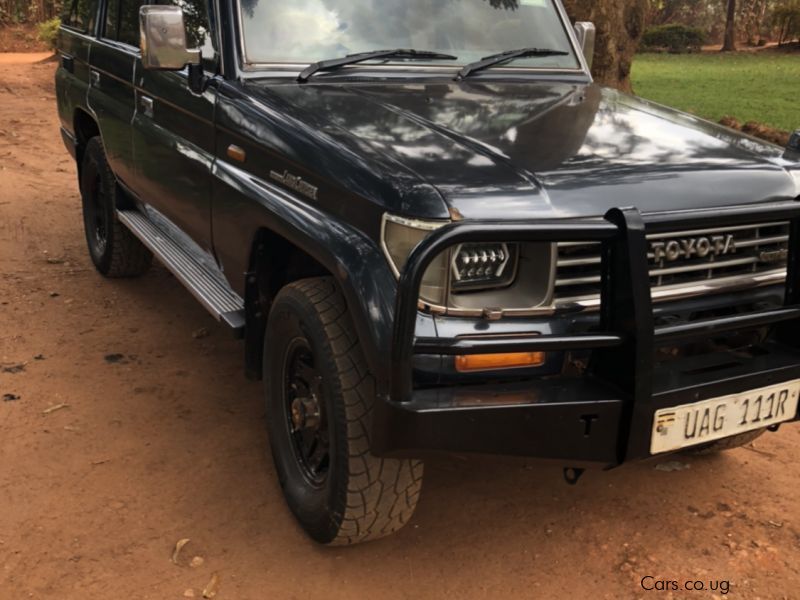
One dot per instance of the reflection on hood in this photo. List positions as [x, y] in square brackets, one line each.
[544, 148]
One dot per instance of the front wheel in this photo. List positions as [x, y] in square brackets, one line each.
[319, 396]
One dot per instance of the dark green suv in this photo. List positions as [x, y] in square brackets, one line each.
[434, 232]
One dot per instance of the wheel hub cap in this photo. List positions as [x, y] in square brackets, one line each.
[305, 413]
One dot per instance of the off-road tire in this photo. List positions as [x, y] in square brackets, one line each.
[723, 445]
[116, 252]
[363, 497]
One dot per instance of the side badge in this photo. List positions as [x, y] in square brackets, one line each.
[295, 183]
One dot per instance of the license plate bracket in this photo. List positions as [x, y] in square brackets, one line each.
[718, 418]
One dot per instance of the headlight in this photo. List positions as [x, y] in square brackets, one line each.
[400, 237]
[796, 176]
[472, 277]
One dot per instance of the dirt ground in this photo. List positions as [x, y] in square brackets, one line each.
[126, 424]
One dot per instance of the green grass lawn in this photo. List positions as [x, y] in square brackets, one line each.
[763, 87]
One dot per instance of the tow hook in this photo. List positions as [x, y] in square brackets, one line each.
[572, 475]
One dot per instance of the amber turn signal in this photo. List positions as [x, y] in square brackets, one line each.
[493, 362]
[236, 153]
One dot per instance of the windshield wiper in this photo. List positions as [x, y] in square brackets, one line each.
[503, 57]
[351, 59]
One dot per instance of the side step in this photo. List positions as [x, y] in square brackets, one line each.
[206, 283]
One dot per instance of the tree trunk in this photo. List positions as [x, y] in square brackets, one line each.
[620, 26]
[730, 28]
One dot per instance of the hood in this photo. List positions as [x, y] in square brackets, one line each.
[544, 149]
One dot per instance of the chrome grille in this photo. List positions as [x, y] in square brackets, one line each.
[759, 258]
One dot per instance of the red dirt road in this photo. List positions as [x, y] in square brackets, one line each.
[128, 425]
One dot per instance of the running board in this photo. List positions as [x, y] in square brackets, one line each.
[204, 282]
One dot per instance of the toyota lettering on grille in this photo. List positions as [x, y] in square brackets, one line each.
[701, 247]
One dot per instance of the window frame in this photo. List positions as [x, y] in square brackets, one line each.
[213, 32]
[90, 27]
[102, 33]
[566, 23]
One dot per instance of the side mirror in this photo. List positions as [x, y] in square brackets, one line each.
[793, 153]
[586, 33]
[163, 39]
[794, 141]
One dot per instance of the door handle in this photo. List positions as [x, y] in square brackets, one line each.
[146, 104]
[68, 63]
[94, 76]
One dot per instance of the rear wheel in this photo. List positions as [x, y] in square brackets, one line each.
[737, 441]
[115, 251]
[319, 397]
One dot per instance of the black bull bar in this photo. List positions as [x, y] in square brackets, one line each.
[623, 347]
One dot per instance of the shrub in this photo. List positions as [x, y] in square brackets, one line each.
[674, 38]
[48, 31]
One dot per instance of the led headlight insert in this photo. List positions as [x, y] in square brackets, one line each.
[483, 266]
[470, 276]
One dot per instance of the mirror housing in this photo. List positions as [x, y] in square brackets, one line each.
[586, 33]
[794, 141]
[163, 39]
[793, 154]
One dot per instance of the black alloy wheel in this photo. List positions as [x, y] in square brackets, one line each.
[305, 411]
[319, 397]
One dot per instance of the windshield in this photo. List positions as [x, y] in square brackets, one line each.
[306, 31]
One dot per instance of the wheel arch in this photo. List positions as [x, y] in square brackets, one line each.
[276, 261]
[264, 279]
[85, 127]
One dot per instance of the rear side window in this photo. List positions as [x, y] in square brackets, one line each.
[80, 15]
[122, 21]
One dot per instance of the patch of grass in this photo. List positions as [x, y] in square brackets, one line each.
[749, 86]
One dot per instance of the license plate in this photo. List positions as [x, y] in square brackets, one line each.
[710, 420]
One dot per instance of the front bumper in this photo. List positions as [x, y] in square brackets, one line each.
[605, 417]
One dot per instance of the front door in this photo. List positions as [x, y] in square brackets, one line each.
[173, 135]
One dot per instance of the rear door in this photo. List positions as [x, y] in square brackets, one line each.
[111, 91]
[173, 134]
[74, 45]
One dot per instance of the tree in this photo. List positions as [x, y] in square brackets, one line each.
[787, 19]
[620, 26]
[730, 28]
[752, 14]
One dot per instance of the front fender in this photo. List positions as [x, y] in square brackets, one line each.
[245, 204]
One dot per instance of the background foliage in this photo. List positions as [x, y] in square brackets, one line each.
[48, 31]
[674, 37]
[29, 11]
[786, 19]
[757, 21]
